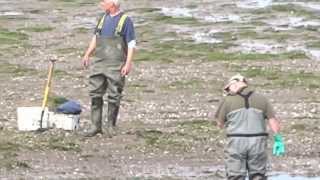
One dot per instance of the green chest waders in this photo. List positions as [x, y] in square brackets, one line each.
[110, 55]
[105, 77]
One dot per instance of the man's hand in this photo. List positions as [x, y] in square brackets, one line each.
[86, 58]
[220, 124]
[85, 62]
[125, 70]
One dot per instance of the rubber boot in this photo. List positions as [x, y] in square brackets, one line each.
[236, 177]
[113, 111]
[257, 177]
[96, 117]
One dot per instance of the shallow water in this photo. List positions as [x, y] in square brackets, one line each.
[311, 5]
[11, 13]
[311, 53]
[254, 4]
[207, 34]
[203, 37]
[222, 18]
[288, 177]
[294, 22]
[83, 22]
[260, 47]
[314, 54]
[177, 12]
[202, 15]
[200, 172]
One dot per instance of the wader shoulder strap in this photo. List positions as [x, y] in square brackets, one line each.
[119, 27]
[100, 24]
[121, 23]
[246, 99]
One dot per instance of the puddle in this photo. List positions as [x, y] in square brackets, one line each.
[175, 170]
[204, 16]
[206, 37]
[81, 22]
[177, 12]
[247, 4]
[274, 48]
[313, 5]
[198, 35]
[11, 13]
[217, 18]
[295, 47]
[195, 171]
[314, 54]
[300, 22]
[222, 18]
[281, 28]
[259, 47]
[310, 5]
[288, 177]
[292, 22]
[281, 24]
[311, 53]
[257, 4]
[254, 4]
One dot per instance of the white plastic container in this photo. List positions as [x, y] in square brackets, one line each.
[65, 121]
[29, 118]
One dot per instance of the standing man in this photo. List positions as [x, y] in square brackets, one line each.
[245, 115]
[114, 44]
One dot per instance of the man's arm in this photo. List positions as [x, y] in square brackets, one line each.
[128, 65]
[91, 48]
[130, 38]
[273, 122]
[220, 113]
[274, 125]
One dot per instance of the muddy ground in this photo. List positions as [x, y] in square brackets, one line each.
[187, 50]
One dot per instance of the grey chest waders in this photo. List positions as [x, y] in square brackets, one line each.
[110, 55]
[247, 143]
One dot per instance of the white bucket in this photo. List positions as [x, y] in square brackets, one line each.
[29, 118]
[65, 121]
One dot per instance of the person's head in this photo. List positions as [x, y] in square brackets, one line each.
[110, 5]
[235, 84]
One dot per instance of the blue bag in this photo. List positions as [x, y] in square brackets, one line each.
[69, 107]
